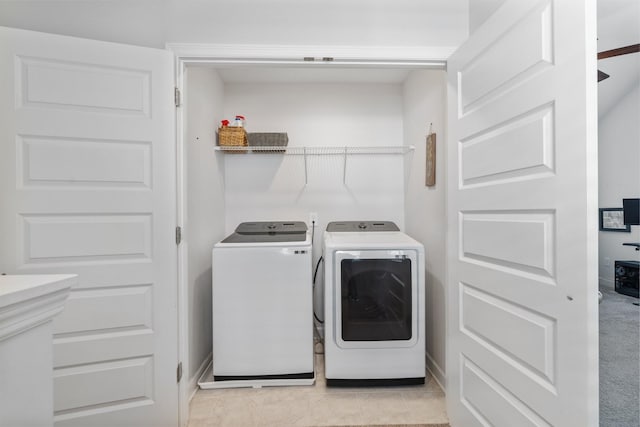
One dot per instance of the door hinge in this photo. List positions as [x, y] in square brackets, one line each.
[178, 235]
[176, 95]
[179, 372]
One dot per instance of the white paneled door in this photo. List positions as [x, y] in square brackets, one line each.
[522, 207]
[87, 178]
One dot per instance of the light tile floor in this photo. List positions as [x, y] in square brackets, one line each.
[318, 405]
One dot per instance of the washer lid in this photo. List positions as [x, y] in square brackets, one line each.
[358, 226]
[268, 231]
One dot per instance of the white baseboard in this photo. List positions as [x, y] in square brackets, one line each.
[193, 381]
[436, 372]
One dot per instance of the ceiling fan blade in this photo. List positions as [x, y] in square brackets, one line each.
[619, 51]
[602, 76]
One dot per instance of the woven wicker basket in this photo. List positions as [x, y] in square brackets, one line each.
[232, 137]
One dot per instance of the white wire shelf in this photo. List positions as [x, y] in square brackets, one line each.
[305, 152]
[317, 151]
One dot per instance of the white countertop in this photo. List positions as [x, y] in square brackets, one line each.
[17, 288]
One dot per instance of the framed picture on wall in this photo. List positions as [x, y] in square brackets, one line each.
[612, 219]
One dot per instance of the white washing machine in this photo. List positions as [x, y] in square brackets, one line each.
[374, 305]
[262, 304]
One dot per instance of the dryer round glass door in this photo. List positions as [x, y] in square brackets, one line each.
[375, 297]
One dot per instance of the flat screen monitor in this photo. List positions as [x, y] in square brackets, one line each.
[631, 209]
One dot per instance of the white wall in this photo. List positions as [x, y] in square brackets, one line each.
[480, 10]
[619, 177]
[425, 207]
[272, 187]
[138, 22]
[205, 206]
[324, 22]
[618, 25]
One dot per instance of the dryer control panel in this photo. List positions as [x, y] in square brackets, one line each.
[361, 226]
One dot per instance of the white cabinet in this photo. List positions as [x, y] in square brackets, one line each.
[27, 306]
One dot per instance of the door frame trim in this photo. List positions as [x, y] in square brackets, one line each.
[191, 54]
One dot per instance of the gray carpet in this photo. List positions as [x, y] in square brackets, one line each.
[619, 360]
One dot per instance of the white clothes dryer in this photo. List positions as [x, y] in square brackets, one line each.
[262, 304]
[374, 301]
